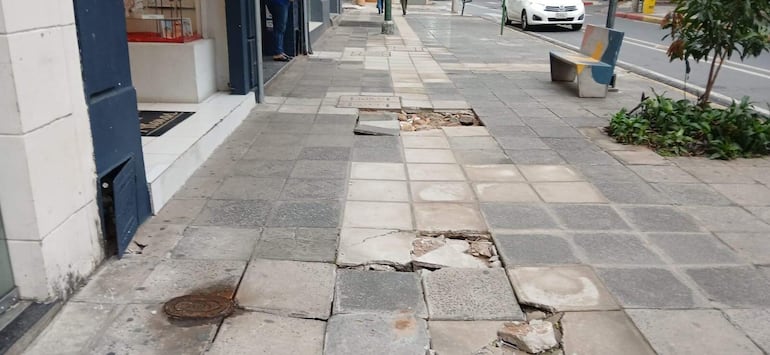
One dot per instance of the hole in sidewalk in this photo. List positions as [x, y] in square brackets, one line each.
[435, 250]
[422, 120]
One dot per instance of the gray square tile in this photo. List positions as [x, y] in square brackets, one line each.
[753, 322]
[663, 173]
[330, 140]
[481, 156]
[300, 244]
[198, 188]
[228, 213]
[320, 214]
[462, 338]
[150, 333]
[568, 192]
[272, 152]
[733, 286]
[365, 141]
[377, 155]
[691, 332]
[270, 334]
[486, 142]
[589, 217]
[521, 143]
[754, 246]
[602, 333]
[647, 288]
[216, 243]
[376, 334]
[727, 219]
[745, 194]
[561, 288]
[320, 169]
[264, 168]
[177, 277]
[470, 294]
[376, 292]
[535, 157]
[694, 248]
[493, 172]
[313, 189]
[692, 194]
[249, 188]
[517, 216]
[614, 248]
[179, 211]
[534, 249]
[659, 219]
[630, 192]
[73, 328]
[290, 288]
[325, 153]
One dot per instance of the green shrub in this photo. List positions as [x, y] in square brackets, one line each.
[683, 128]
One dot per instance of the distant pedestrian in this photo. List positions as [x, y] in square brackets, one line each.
[380, 6]
[403, 6]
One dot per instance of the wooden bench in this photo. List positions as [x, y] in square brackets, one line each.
[593, 66]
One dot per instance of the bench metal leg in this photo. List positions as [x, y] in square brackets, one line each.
[588, 87]
[562, 71]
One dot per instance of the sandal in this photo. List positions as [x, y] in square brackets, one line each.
[281, 58]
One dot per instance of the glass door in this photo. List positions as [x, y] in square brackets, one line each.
[6, 276]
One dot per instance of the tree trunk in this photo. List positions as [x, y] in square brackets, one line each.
[703, 101]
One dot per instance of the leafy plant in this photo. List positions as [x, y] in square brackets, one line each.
[683, 128]
[715, 30]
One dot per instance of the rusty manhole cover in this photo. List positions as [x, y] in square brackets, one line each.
[199, 307]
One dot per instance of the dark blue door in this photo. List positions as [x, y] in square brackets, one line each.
[244, 48]
[123, 196]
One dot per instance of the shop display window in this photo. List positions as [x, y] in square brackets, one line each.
[166, 21]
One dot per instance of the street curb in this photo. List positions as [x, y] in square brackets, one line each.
[716, 98]
[640, 17]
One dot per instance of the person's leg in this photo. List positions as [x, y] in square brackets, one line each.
[380, 6]
[280, 13]
[403, 6]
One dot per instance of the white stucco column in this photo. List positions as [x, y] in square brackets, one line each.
[47, 172]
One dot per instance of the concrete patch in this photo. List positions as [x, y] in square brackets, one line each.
[561, 288]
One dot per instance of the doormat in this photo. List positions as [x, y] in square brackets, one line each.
[155, 123]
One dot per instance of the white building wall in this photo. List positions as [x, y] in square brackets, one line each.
[47, 172]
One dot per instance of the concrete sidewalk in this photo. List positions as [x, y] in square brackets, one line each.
[315, 231]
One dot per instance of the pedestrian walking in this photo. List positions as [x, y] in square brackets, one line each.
[403, 6]
[380, 6]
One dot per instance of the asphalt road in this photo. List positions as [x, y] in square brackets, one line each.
[643, 46]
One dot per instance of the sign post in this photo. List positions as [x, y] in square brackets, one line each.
[387, 25]
[502, 19]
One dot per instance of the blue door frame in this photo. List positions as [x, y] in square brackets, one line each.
[244, 45]
[124, 200]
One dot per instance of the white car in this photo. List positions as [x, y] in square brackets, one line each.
[531, 13]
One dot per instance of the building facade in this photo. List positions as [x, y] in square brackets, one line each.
[78, 171]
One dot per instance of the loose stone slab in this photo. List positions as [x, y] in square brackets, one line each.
[379, 292]
[561, 288]
[292, 288]
[376, 102]
[608, 332]
[377, 116]
[145, 329]
[470, 294]
[381, 246]
[261, 333]
[373, 334]
[691, 332]
[462, 338]
[378, 128]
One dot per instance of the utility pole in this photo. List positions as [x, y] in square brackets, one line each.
[611, 13]
[388, 26]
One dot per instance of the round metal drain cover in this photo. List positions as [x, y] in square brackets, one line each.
[199, 307]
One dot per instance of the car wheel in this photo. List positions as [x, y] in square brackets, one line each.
[577, 27]
[524, 22]
[506, 20]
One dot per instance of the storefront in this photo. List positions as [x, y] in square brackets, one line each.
[121, 101]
